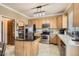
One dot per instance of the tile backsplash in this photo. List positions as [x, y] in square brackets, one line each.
[73, 29]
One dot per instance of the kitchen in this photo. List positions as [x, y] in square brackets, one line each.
[60, 30]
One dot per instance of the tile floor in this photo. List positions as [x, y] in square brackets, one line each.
[10, 50]
[44, 50]
[48, 50]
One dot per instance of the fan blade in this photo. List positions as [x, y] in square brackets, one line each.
[45, 5]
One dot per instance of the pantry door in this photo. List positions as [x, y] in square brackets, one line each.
[11, 32]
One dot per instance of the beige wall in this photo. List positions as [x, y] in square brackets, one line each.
[11, 14]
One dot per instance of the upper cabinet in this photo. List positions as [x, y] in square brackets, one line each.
[73, 15]
[52, 21]
[76, 14]
[64, 21]
[56, 22]
[59, 22]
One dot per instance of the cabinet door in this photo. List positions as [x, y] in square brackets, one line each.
[39, 24]
[36, 22]
[27, 48]
[54, 40]
[64, 21]
[10, 34]
[19, 48]
[53, 23]
[35, 48]
[59, 22]
[76, 14]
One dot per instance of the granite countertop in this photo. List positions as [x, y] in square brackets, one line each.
[68, 40]
[20, 39]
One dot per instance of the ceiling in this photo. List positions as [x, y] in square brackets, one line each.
[26, 8]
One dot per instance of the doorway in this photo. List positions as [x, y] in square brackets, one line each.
[9, 31]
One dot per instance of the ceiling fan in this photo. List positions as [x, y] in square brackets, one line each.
[40, 6]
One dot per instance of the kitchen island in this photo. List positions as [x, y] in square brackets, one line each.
[26, 48]
[67, 47]
[71, 48]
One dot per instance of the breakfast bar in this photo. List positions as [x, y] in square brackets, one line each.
[26, 48]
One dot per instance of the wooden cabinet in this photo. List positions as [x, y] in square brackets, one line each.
[75, 9]
[39, 24]
[26, 48]
[59, 22]
[62, 48]
[52, 21]
[35, 48]
[64, 21]
[73, 16]
[76, 14]
[54, 40]
[19, 48]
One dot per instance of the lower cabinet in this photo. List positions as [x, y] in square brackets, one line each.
[54, 40]
[26, 48]
[19, 49]
[57, 41]
[62, 47]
